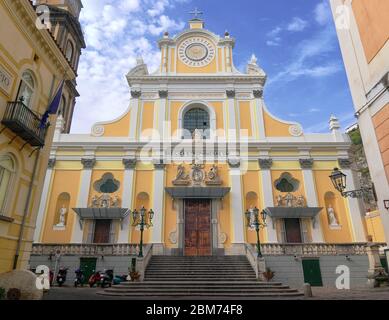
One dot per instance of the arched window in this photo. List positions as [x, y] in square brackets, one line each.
[197, 118]
[7, 169]
[27, 88]
[69, 51]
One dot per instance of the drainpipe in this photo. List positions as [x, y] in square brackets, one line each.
[16, 258]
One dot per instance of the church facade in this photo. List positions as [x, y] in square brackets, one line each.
[199, 147]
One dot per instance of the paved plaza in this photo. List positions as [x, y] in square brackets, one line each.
[86, 293]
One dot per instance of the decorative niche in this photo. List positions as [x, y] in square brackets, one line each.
[286, 183]
[107, 184]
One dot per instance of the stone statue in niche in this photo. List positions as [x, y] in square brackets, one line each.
[62, 217]
[331, 217]
[197, 135]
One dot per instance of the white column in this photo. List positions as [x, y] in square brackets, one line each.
[158, 193]
[353, 203]
[259, 113]
[267, 193]
[83, 194]
[312, 201]
[43, 203]
[134, 107]
[231, 132]
[237, 210]
[163, 94]
[128, 181]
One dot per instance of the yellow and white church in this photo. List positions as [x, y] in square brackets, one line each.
[199, 147]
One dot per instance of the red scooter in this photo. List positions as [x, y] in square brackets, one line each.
[95, 278]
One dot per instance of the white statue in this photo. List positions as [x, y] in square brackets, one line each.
[197, 135]
[300, 201]
[62, 217]
[115, 201]
[331, 216]
[279, 201]
[289, 200]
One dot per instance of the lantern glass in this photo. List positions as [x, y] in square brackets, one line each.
[143, 211]
[338, 179]
[256, 213]
[264, 215]
[247, 214]
[135, 216]
[151, 214]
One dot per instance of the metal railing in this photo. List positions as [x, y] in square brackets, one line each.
[25, 123]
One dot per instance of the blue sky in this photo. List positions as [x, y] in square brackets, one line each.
[295, 43]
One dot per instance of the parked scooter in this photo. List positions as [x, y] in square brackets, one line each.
[61, 276]
[79, 278]
[95, 278]
[107, 278]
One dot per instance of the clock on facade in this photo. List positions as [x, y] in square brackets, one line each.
[196, 52]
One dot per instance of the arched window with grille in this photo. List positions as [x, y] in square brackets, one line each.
[196, 118]
[7, 170]
[27, 88]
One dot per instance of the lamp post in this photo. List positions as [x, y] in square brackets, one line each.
[256, 223]
[338, 179]
[142, 219]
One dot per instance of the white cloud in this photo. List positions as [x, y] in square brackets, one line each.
[116, 32]
[297, 25]
[322, 13]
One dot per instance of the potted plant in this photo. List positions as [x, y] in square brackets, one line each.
[2, 293]
[268, 274]
[135, 275]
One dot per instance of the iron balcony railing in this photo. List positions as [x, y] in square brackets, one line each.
[24, 123]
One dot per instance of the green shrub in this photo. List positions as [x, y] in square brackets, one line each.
[2, 293]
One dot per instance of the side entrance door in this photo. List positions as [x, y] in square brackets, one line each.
[312, 273]
[197, 227]
[88, 267]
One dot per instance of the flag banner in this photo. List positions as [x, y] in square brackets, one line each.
[54, 105]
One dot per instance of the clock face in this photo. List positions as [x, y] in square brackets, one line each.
[196, 52]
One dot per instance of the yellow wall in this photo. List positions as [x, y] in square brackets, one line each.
[275, 128]
[118, 128]
[372, 20]
[63, 181]
[245, 118]
[374, 226]
[147, 119]
[323, 185]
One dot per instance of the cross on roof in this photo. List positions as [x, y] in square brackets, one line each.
[196, 13]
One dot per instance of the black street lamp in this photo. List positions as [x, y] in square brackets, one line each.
[142, 219]
[338, 179]
[256, 223]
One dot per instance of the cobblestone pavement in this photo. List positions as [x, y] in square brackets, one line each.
[86, 293]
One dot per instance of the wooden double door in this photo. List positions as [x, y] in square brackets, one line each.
[197, 227]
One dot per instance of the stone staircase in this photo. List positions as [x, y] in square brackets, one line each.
[210, 277]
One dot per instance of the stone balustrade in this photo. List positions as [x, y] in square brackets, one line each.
[86, 249]
[313, 249]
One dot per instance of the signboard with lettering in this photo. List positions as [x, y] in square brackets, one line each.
[6, 80]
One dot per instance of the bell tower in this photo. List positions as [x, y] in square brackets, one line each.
[66, 30]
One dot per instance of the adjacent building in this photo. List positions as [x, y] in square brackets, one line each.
[36, 54]
[363, 32]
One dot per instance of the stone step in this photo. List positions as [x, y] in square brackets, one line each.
[200, 287]
[198, 290]
[195, 295]
[218, 283]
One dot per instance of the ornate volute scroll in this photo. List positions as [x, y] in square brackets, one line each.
[182, 178]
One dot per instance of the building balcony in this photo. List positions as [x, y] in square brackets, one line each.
[24, 123]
